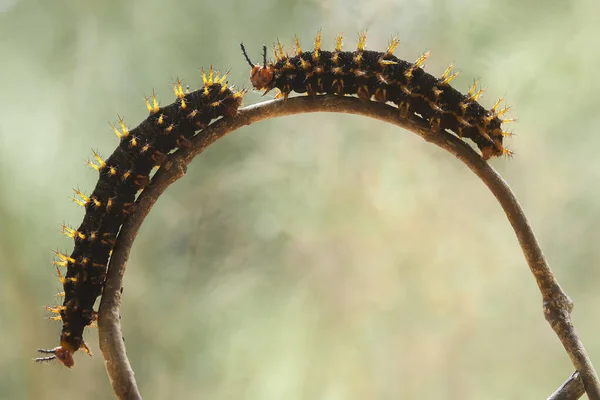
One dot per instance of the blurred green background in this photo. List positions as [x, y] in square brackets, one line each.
[310, 257]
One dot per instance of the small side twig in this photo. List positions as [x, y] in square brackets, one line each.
[572, 389]
[557, 305]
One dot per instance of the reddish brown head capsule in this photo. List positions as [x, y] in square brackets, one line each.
[63, 354]
[261, 76]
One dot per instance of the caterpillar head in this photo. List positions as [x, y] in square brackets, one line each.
[261, 76]
[63, 354]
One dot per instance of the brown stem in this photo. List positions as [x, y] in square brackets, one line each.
[556, 304]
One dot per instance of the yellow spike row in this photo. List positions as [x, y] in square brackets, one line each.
[60, 294]
[472, 90]
[447, 71]
[275, 53]
[421, 60]
[280, 54]
[220, 81]
[97, 202]
[508, 121]
[91, 164]
[496, 105]
[298, 48]
[392, 46]
[168, 129]
[60, 263]
[503, 111]
[83, 197]
[204, 80]
[155, 106]
[477, 95]
[446, 77]
[99, 159]
[189, 116]
[61, 278]
[305, 64]
[55, 309]
[183, 104]
[64, 257]
[116, 131]
[210, 75]
[317, 46]
[96, 167]
[55, 318]
[86, 349]
[81, 203]
[148, 106]
[123, 127]
[178, 89]
[362, 42]
[152, 108]
[339, 42]
[71, 233]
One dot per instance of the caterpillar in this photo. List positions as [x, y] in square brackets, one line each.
[121, 176]
[385, 78]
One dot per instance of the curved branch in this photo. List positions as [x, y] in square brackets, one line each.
[556, 304]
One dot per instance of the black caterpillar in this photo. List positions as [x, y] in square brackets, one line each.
[385, 78]
[122, 175]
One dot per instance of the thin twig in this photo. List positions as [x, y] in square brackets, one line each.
[572, 389]
[556, 304]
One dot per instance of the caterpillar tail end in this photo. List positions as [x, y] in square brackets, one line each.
[60, 353]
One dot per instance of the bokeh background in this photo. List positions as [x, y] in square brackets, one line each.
[310, 257]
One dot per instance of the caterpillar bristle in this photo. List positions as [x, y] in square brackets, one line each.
[392, 46]
[421, 60]
[315, 55]
[153, 107]
[123, 127]
[339, 42]
[279, 54]
[362, 42]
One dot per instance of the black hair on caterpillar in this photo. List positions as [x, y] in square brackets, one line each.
[385, 78]
[122, 175]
